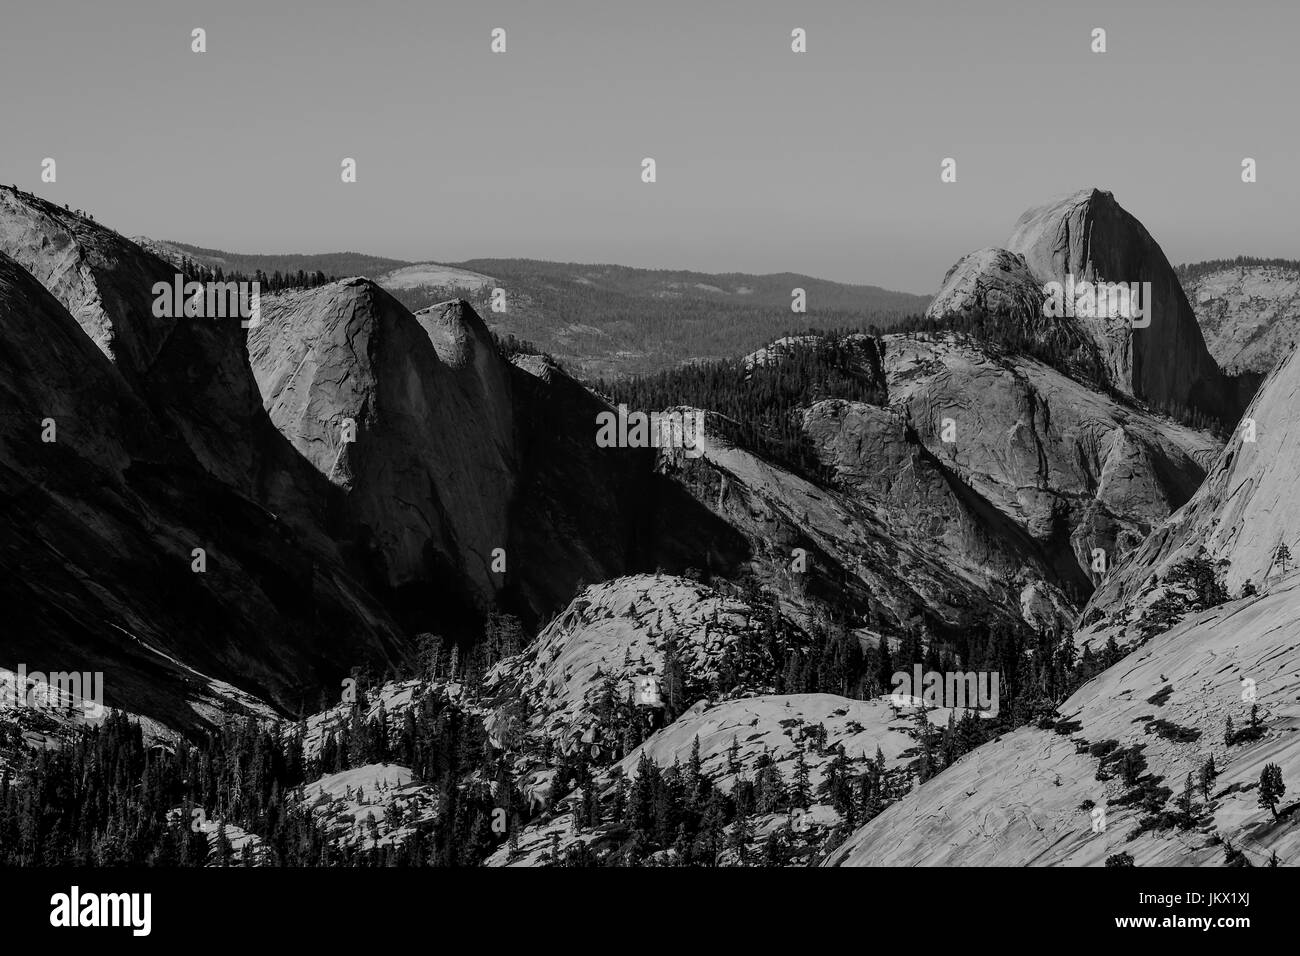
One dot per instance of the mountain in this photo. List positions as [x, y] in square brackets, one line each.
[333, 264]
[473, 479]
[1249, 310]
[156, 452]
[1026, 799]
[605, 320]
[399, 500]
[1088, 236]
[920, 503]
[599, 320]
[409, 416]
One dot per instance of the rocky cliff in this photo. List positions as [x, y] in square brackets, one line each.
[103, 508]
[1088, 236]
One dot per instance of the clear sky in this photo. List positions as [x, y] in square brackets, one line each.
[824, 163]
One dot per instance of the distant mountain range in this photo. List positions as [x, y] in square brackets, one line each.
[602, 320]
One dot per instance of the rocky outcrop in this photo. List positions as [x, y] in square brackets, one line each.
[615, 633]
[1071, 466]
[989, 281]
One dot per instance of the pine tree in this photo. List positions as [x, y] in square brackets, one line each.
[1208, 774]
[739, 838]
[801, 792]
[695, 767]
[1187, 804]
[1271, 787]
[884, 666]
[1282, 555]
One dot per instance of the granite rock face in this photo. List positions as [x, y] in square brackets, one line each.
[1028, 797]
[471, 477]
[1002, 463]
[1243, 511]
[420, 444]
[97, 537]
[989, 280]
[1089, 237]
[193, 373]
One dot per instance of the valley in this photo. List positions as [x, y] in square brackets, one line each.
[510, 589]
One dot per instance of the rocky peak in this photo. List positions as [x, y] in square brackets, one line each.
[1089, 237]
[419, 439]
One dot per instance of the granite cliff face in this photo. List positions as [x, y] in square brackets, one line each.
[471, 478]
[192, 373]
[1243, 511]
[1088, 236]
[419, 442]
[103, 506]
[984, 480]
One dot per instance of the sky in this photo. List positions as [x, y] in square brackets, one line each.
[825, 162]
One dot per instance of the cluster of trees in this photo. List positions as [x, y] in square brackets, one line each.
[277, 281]
[1188, 272]
[613, 320]
[1057, 344]
[680, 810]
[757, 405]
[105, 798]
[1193, 584]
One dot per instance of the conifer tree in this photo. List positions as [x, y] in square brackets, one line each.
[1271, 787]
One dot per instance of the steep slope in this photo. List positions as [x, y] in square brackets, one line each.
[1243, 511]
[98, 530]
[1090, 236]
[420, 442]
[1070, 467]
[862, 553]
[1249, 314]
[1027, 798]
[191, 372]
[955, 509]
[468, 472]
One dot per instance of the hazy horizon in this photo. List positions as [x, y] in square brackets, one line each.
[824, 163]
